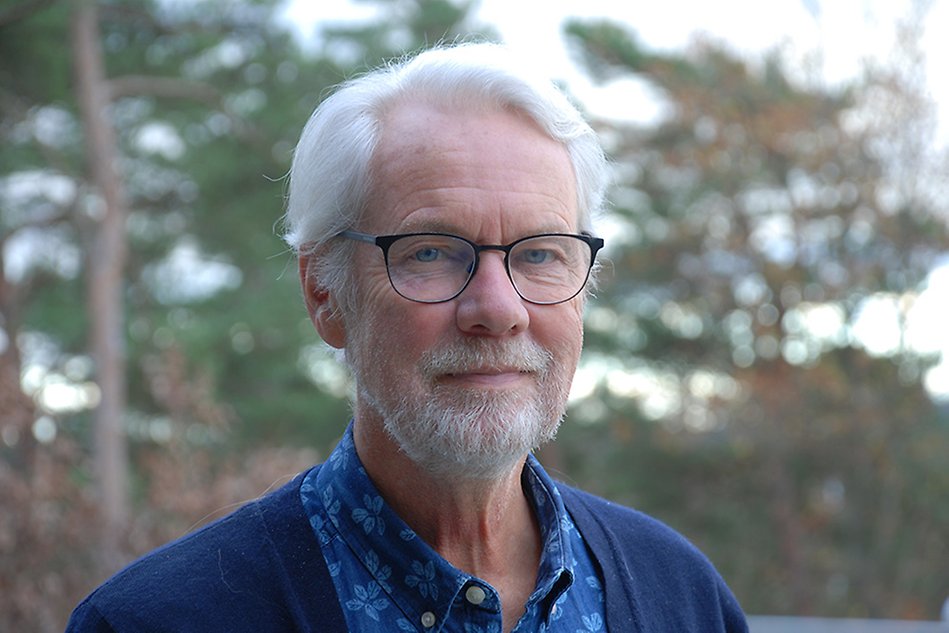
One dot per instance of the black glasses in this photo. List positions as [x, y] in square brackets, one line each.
[436, 267]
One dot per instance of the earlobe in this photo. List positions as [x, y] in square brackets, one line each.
[321, 305]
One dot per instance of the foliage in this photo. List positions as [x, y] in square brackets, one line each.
[755, 223]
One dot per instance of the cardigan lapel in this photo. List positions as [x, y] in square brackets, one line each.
[317, 607]
[609, 557]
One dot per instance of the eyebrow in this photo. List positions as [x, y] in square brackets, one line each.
[441, 226]
[431, 226]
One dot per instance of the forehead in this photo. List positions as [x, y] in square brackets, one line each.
[478, 166]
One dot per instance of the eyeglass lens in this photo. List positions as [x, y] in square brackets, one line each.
[544, 269]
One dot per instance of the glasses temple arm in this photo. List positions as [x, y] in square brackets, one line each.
[356, 235]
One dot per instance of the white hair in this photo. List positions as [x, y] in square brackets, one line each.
[330, 177]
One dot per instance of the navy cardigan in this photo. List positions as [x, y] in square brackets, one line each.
[261, 569]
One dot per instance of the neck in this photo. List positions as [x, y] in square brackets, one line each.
[483, 527]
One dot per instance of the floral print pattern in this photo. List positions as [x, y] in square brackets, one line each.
[388, 579]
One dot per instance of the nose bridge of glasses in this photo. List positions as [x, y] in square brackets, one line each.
[504, 252]
[479, 250]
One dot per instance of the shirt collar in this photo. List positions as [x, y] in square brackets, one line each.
[387, 547]
[556, 573]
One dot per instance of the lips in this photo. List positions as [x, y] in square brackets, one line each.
[485, 379]
[488, 371]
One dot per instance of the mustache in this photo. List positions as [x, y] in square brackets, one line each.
[469, 355]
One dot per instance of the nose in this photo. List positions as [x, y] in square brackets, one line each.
[490, 306]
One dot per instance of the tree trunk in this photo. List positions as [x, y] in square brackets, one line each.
[16, 408]
[106, 260]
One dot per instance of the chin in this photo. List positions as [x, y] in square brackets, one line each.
[470, 445]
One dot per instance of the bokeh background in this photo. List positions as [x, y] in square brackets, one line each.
[766, 365]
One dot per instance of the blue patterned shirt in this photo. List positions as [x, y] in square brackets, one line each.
[388, 579]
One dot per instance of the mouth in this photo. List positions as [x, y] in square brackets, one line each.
[487, 370]
[488, 377]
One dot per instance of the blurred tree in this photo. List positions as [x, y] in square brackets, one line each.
[222, 365]
[755, 223]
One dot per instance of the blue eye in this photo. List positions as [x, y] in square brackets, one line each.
[427, 254]
[536, 256]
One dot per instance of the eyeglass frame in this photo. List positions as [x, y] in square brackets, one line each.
[384, 242]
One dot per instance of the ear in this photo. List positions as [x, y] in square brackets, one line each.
[321, 305]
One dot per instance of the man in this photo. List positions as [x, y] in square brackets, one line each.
[441, 209]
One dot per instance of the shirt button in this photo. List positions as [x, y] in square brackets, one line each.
[475, 595]
[428, 619]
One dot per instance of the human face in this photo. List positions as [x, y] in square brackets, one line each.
[467, 387]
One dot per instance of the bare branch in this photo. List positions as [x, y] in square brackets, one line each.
[219, 25]
[163, 88]
[22, 11]
[175, 88]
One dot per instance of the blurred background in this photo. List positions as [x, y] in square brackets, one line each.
[767, 359]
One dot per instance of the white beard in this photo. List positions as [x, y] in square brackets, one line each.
[474, 434]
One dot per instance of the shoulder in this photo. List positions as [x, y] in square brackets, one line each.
[212, 579]
[627, 526]
[665, 582]
[630, 536]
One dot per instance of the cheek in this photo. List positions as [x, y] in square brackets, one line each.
[374, 288]
[560, 330]
[396, 332]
